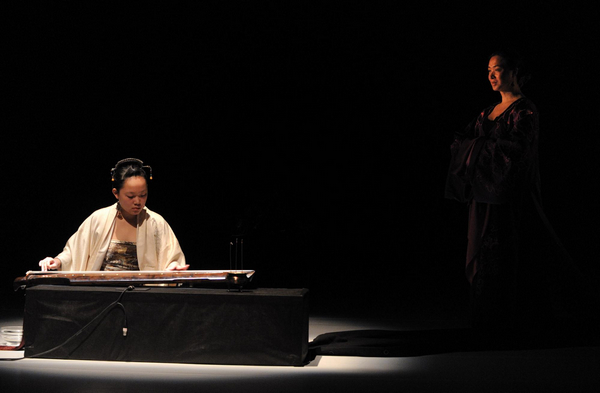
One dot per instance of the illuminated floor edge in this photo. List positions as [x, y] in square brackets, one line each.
[559, 369]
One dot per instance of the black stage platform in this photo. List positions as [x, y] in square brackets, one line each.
[167, 324]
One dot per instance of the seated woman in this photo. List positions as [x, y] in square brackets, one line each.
[124, 236]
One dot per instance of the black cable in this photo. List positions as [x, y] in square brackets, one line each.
[99, 317]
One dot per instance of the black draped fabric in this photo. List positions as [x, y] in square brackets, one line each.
[267, 326]
[513, 256]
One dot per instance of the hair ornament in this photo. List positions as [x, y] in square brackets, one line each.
[134, 161]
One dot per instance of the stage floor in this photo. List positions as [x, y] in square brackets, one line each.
[556, 368]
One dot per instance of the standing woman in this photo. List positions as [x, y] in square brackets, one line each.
[124, 236]
[494, 169]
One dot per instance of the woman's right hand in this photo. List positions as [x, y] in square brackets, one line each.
[50, 264]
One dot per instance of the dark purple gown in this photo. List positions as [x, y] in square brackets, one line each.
[511, 246]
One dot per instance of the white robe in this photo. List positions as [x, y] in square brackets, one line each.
[156, 243]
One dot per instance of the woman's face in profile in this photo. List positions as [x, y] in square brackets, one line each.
[500, 78]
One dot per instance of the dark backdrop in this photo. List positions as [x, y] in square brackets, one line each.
[319, 132]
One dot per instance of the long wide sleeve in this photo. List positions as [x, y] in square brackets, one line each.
[494, 166]
[505, 163]
[157, 244]
[86, 248]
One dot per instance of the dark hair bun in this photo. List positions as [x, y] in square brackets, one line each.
[129, 167]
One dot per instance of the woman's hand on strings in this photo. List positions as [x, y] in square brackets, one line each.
[174, 266]
[50, 264]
